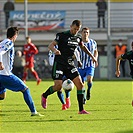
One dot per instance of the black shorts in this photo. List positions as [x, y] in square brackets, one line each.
[59, 70]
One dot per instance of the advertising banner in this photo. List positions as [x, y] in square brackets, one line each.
[38, 20]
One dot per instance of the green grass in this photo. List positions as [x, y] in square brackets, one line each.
[110, 108]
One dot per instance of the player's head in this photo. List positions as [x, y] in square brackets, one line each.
[75, 27]
[85, 32]
[28, 39]
[132, 45]
[12, 33]
[120, 42]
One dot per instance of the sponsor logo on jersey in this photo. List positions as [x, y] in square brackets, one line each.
[73, 70]
[59, 72]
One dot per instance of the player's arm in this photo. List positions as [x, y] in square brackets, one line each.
[5, 47]
[1, 64]
[34, 49]
[96, 56]
[53, 49]
[118, 60]
[77, 56]
[85, 49]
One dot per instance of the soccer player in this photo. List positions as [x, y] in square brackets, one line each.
[67, 42]
[29, 51]
[65, 103]
[88, 66]
[7, 78]
[127, 56]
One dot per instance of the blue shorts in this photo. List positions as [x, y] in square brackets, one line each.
[11, 82]
[89, 71]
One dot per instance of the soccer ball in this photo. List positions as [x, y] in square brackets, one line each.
[68, 84]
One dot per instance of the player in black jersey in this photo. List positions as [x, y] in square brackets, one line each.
[129, 56]
[67, 42]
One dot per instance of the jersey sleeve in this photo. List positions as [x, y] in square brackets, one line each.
[80, 41]
[34, 49]
[4, 48]
[57, 37]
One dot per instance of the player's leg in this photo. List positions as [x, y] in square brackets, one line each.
[67, 93]
[15, 84]
[68, 101]
[90, 74]
[89, 84]
[82, 73]
[25, 74]
[2, 94]
[35, 74]
[56, 87]
[61, 98]
[57, 75]
[80, 94]
[123, 68]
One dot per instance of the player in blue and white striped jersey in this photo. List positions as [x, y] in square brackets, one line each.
[7, 79]
[88, 66]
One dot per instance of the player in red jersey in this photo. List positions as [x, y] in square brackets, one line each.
[29, 51]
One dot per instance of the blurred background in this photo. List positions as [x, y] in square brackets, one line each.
[42, 19]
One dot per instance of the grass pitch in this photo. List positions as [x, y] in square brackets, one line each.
[110, 107]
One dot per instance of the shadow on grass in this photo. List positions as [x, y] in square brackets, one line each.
[128, 131]
[42, 119]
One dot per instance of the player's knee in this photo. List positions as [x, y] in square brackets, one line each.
[57, 87]
[24, 90]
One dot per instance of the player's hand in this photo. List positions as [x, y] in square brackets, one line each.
[96, 64]
[1, 66]
[94, 60]
[57, 52]
[117, 73]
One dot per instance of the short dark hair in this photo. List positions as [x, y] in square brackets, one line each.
[85, 28]
[11, 31]
[132, 44]
[27, 37]
[76, 22]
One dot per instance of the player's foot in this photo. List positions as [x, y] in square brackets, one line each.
[83, 112]
[38, 81]
[68, 102]
[132, 103]
[88, 95]
[43, 102]
[36, 114]
[64, 107]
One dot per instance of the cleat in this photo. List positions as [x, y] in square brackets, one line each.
[83, 112]
[43, 102]
[68, 102]
[64, 107]
[132, 103]
[36, 114]
[38, 81]
[88, 95]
